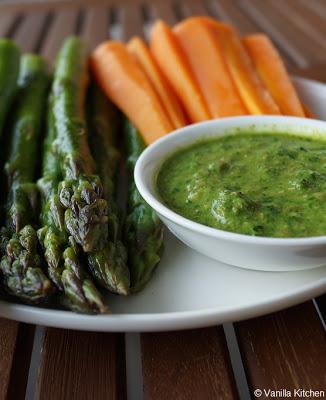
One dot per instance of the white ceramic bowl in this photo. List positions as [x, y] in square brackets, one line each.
[261, 253]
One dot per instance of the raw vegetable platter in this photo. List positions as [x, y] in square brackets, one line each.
[66, 243]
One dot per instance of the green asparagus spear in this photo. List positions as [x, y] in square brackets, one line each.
[81, 191]
[9, 69]
[104, 121]
[60, 250]
[53, 234]
[108, 265]
[22, 267]
[20, 167]
[144, 230]
[87, 213]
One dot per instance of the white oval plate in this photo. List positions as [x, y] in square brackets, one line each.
[189, 290]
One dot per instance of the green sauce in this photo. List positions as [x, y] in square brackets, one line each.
[270, 185]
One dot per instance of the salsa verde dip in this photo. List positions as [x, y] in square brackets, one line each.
[270, 184]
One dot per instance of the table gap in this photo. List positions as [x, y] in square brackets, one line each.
[21, 362]
[46, 25]
[114, 23]
[319, 304]
[236, 362]
[134, 369]
[146, 16]
[80, 21]
[15, 25]
[34, 365]
[177, 9]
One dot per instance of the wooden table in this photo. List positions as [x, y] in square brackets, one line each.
[284, 350]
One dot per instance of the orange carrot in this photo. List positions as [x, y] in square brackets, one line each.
[252, 90]
[173, 63]
[208, 65]
[123, 80]
[211, 22]
[273, 73]
[169, 101]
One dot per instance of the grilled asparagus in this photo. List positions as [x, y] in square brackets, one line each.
[144, 230]
[9, 70]
[22, 267]
[87, 214]
[108, 265]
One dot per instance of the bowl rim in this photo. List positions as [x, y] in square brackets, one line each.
[178, 219]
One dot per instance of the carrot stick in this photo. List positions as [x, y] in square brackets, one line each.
[252, 90]
[172, 62]
[139, 49]
[123, 80]
[273, 73]
[208, 65]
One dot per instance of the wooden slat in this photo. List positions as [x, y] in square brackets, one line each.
[228, 11]
[7, 20]
[284, 350]
[64, 23]
[321, 304]
[164, 10]
[16, 341]
[131, 21]
[299, 19]
[21, 365]
[28, 33]
[191, 8]
[96, 26]
[38, 5]
[311, 15]
[187, 365]
[8, 337]
[317, 6]
[292, 41]
[316, 72]
[81, 365]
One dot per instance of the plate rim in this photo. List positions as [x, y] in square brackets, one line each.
[165, 321]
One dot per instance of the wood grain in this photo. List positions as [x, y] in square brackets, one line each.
[7, 21]
[285, 349]
[96, 26]
[37, 5]
[316, 6]
[228, 11]
[29, 31]
[8, 337]
[292, 41]
[81, 365]
[64, 23]
[16, 341]
[21, 362]
[192, 8]
[164, 10]
[187, 365]
[299, 19]
[316, 72]
[131, 21]
[311, 15]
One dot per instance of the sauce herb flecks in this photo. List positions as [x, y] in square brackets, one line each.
[270, 185]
